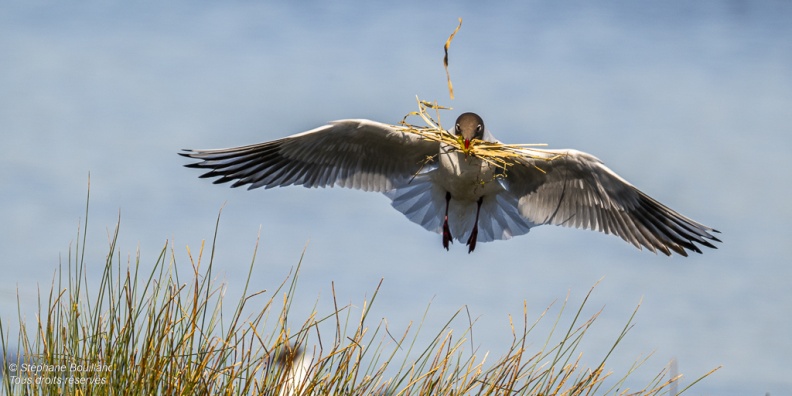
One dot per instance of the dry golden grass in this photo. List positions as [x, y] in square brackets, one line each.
[161, 332]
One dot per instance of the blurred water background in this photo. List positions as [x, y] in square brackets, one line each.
[690, 101]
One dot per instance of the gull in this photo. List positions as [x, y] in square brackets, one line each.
[458, 195]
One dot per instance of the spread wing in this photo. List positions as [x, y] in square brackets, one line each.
[358, 154]
[575, 189]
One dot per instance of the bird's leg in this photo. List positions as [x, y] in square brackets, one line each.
[474, 234]
[447, 238]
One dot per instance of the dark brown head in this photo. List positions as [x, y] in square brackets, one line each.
[470, 126]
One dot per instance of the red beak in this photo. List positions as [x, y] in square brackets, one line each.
[467, 144]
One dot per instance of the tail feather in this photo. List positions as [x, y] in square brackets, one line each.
[423, 202]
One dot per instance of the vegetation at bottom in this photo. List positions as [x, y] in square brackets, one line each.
[162, 331]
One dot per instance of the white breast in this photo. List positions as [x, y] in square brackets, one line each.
[467, 178]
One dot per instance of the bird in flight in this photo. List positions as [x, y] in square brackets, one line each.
[459, 195]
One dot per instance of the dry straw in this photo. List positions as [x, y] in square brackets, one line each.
[496, 153]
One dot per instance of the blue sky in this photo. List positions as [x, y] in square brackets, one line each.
[689, 102]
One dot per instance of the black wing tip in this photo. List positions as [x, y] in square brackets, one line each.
[187, 153]
[201, 164]
[695, 248]
[683, 246]
[222, 177]
[703, 242]
[711, 237]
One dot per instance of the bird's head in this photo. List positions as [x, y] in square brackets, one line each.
[469, 126]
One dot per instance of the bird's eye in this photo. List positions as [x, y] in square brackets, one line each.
[478, 128]
[457, 129]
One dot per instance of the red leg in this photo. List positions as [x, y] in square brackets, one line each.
[474, 234]
[447, 238]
